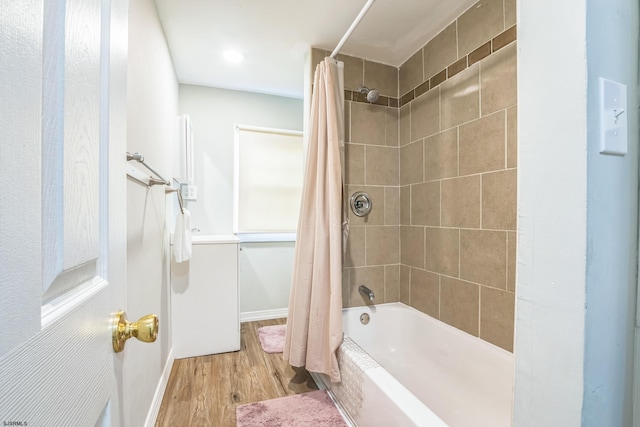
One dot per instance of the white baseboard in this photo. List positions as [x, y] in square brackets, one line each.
[157, 398]
[252, 316]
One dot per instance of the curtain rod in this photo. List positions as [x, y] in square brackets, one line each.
[353, 26]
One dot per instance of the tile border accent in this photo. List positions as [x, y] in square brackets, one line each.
[498, 42]
[385, 101]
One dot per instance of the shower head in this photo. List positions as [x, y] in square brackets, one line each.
[372, 94]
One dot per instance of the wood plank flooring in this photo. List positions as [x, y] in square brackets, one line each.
[204, 391]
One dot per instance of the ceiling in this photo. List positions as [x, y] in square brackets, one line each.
[275, 35]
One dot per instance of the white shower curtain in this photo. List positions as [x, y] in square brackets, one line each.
[314, 325]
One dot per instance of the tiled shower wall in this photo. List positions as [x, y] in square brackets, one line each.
[441, 170]
[458, 174]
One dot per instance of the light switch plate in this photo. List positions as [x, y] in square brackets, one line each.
[613, 117]
[189, 191]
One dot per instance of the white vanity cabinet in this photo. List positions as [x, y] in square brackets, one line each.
[205, 314]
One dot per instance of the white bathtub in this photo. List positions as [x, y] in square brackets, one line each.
[418, 371]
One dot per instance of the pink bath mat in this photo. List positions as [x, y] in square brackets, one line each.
[272, 338]
[312, 409]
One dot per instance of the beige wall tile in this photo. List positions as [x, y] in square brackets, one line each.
[461, 202]
[382, 165]
[442, 251]
[372, 278]
[405, 287]
[483, 257]
[486, 146]
[438, 250]
[382, 77]
[383, 245]
[368, 124]
[459, 304]
[411, 163]
[354, 164]
[440, 52]
[353, 71]
[498, 80]
[425, 204]
[392, 127]
[425, 115]
[497, 317]
[479, 24]
[392, 283]
[347, 121]
[411, 73]
[346, 287]
[425, 292]
[317, 56]
[392, 205]
[405, 205]
[511, 261]
[512, 137]
[482, 145]
[356, 247]
[441, 155]
[509, 13]
[412, 246]
[376, 216]
[405, 125]
[499, 200]
[460, 98]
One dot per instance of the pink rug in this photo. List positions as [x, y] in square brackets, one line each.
[312, 409]
[272, 338]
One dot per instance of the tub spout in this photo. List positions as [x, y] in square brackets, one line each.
[368, 293]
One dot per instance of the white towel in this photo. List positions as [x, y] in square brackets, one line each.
[182, 237]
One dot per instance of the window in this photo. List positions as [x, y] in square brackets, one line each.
[267, 180]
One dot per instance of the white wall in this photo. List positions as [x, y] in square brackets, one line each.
[265, 275]
[265, 268]
[552, 208]
[152, 103]
[214, 112]
[577, 216]
[612, 53]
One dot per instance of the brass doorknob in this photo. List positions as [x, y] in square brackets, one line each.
[145, 329]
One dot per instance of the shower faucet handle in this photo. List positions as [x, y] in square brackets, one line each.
[361, 203]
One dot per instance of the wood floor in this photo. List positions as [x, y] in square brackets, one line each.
[204, 391]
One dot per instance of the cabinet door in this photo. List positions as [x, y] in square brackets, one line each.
[204, 298]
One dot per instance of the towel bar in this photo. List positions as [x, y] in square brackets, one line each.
[157, 180]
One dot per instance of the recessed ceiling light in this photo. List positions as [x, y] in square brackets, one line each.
[233, 56]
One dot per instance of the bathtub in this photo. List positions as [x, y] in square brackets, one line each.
[405, 368]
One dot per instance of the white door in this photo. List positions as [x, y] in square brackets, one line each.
[62, 209]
